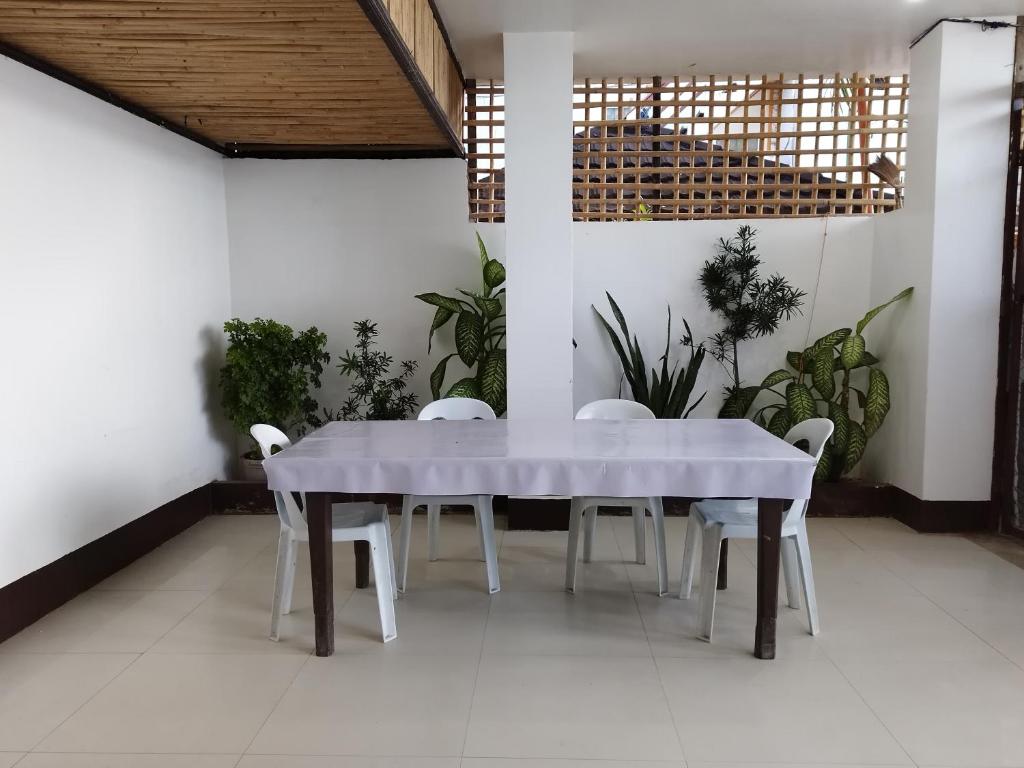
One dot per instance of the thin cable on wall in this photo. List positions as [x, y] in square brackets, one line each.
[985, 24]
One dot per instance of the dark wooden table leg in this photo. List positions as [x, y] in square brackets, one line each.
[723, 565]
[321, 566]
[769, 541]
[362, 551]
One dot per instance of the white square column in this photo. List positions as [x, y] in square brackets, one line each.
[538, 223]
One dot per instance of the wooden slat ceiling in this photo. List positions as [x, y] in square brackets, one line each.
[282, 73]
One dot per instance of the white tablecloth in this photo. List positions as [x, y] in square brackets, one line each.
[694, 457]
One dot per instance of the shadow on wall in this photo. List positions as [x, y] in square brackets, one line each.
[208, 367]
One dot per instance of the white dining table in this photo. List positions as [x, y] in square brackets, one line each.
[693, 458]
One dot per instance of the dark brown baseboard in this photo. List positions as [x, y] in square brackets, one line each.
[33, 596]
[940, 516]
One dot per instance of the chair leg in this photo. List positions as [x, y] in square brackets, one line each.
[382, 581]
[571, 550]
[479, 502]
[433, 531]
[391, 557]
[289, 582]
[589, 532]
[712, 535]
[658, 519]
[693, 531]
[639, 533]
[791, 571]
[405, 538]
[490, 550]
[283, 545]
[803, 551]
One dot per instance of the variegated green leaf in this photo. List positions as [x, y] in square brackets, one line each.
[437, 376]
[795, 360]
[841, 421]
[822, 375]
[482, 249]
[490, 307]
[824, 468]
[442, 316]
[855, 446]
[492, 381]
[830, 340]
[776, 377]
[874, 312]
[467, 387]
[494, 273]
[469, 336]
[738, 403]
[852, 350]
[437, 300]
[780, 423]
[800, 402]
[876, 404]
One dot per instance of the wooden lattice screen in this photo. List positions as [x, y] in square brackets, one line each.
[713, 147]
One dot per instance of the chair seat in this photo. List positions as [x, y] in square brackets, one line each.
[738, 513]
[613, 501]
[357, 514]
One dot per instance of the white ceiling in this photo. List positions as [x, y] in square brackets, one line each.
[624, 37]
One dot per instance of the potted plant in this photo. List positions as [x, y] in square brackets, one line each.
[479, 336]
[667, 394]
[268, 378]
[374, 394]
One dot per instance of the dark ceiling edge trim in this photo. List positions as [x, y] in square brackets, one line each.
[385, 26]
[447, 41]
[51, 70]
[370, 152]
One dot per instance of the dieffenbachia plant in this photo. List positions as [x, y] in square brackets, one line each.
[479, 336]
[825, 380]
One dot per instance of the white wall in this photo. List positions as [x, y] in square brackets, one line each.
[941, 349]
[114, 286]
[329, 242]
[647, 265]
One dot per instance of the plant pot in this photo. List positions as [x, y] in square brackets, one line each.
[252, 469]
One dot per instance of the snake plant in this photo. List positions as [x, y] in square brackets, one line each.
[479, 336]
[825, 380]
[667, 393]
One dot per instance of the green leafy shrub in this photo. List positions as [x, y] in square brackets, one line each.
[374, 394]
[752, 307]
[479, 337]
[270, 373]
[668, 393]
[825, 380]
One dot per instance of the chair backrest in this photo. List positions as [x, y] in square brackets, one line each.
[457, 409]
[816, 432]
[287, 507]
[619, 410]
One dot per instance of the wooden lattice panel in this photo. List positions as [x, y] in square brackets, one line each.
[251, 72]
[713, 147]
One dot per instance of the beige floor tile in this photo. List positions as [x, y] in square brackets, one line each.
[7, 759]
[345, 761]
[570, 707]
[174, 566]
[179, 704]
[590, 623]
[430, 622]
[39, 691]
[238, 622]
[386, 704]
[744, 710]
[535, 561]
[107, 621]
[968, 712]
[258, 574]
[70, 760]
[790, 765]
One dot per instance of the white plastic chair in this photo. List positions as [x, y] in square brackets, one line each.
[584, 509]
[715, 520]
[451, 409]
[351, 521]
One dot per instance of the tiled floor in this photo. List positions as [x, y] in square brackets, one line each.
[166, 665]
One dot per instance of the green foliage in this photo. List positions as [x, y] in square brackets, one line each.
[479, 336]
[821, 382]
[666, 393]
[374, 394]
[270, 373]
[752, 307]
